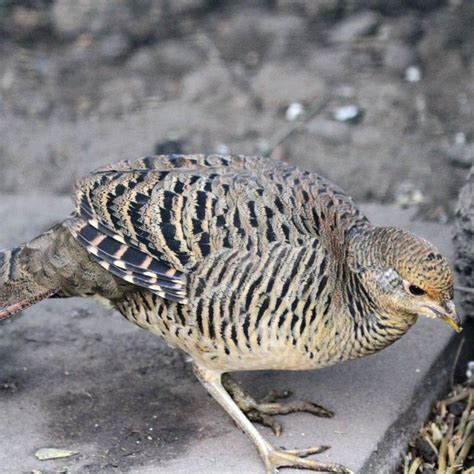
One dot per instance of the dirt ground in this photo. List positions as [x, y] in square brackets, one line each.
[85, 83]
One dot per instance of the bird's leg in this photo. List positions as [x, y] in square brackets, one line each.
[262, 411]
[272, 457]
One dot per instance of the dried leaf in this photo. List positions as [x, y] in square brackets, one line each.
[45, 454]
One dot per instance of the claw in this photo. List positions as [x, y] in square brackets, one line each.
[295, 458]
[266, 420]
[303, 453]
[269, 405]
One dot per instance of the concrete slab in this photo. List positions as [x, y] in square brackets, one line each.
[75, 375]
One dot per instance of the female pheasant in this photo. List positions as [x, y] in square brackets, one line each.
[242, 262]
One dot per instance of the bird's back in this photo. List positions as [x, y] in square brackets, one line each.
[153, 220]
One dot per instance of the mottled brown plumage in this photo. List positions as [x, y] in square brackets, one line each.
[242, 262]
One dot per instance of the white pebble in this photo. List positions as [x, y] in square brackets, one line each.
[413, 74]
[294, 111]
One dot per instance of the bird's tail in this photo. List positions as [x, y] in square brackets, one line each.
[22, 279]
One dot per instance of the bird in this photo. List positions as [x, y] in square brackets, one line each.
[243, 263]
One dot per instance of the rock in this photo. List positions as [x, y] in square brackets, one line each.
[183, 7]
[330, 132]
[209, 82]
[294, 111]
[406, 28]
[121, 95]
[413, 74]
[169, 147]
[142, 60]
[398, 57]
[72, 17]
[408, 195]
[355, 26]
[178, 57]
[284, 34]
[311, 8]
[463, 242]
[25, 24]
[247, 38]
[279, 85]
[139, 20]
[461, 155]
[114, 47]
[448, 31]
[349, 114]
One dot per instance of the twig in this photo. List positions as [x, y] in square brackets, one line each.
[415, 465]
[457, 398]
[285, 134]
[464, 451]
[456, 360]
[464, 289]
[442, 456]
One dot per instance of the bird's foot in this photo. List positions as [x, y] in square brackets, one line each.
[262, 411]
[276, 458]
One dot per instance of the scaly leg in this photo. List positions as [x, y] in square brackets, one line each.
[263, 410]
[272, 457]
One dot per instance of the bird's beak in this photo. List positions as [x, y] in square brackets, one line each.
[446, 312]
[451, 317]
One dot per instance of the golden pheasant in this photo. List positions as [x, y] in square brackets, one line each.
[242, 262]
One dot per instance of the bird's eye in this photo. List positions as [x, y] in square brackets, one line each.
[416, 290]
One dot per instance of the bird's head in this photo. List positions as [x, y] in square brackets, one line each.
[405, 275]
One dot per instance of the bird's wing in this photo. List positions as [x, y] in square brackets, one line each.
[151, 220]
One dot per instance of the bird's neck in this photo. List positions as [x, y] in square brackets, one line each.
[372, 325]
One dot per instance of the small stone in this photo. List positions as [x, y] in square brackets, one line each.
[279, 85]
[408, 195]
[424, 449]
[461, 154]
[72, 17]
[398, 57]
[222, 149]
[178, 57]
[121, 94]
[406, 28]
[294, 111]
[211, 81]
[460, 138]
[169, 147]
[354, 27]
[114, 47]
[349, 114]
[413, 74]
[457, 408]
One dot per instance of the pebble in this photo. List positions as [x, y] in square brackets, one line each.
[461, 154]
[399, 57]
[279, 85]
[222, 149]
[457, 408]
[169, 147]
[413, 74]
[349, 114]
[355, 26]
[294, 111]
